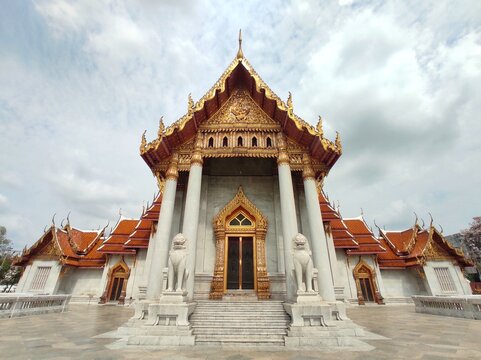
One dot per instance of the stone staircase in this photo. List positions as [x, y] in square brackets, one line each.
[235, 322]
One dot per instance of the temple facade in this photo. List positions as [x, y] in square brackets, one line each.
[240, 176]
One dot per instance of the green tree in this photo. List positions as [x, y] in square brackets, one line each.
[7, 273]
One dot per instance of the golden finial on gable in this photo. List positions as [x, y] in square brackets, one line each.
[240, 54]
[161, 131]
[338, 141]
[289, 101]
[143, 142]
[319, 127]
[190, 107]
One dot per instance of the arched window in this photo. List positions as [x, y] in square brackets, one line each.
[268, 142]
[239, 141]
[254, 141]
[211, 142]
[224, 142]
[240, 220]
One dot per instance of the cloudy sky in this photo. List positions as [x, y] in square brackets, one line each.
[81, 80]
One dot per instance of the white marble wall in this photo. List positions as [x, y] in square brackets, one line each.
[52, 283]
[81, 282]
[401, 284]
[434, 288]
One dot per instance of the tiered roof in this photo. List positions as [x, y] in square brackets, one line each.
[368, 243]
[240, 74]
[342, 237]
[131, 234]
[69, 245]
[114, 244]
[414, 246]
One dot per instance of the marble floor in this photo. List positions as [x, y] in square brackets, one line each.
[71, 335]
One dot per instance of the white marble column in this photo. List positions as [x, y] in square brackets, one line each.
[191, 215]
[288, 213]
[160, 250]
[320, 253]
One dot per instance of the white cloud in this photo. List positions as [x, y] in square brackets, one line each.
[82, 80]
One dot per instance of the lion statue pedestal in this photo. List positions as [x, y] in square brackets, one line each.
[169, 318]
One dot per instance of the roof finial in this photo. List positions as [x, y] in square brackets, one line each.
[190, 106]
[240, 54]
[143, 142]
[431, 223]
[319, 129]
[160, 132]
[338, 141]
[289, 101]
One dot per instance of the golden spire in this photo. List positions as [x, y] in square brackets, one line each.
[240, 54]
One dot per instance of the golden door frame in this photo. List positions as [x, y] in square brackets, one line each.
[119, 270]
[364, 271]
[257, 230]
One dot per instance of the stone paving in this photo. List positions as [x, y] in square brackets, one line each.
[72, 335]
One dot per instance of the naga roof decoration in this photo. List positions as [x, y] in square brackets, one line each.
[238, 72]
[415, 246]
[69, 245]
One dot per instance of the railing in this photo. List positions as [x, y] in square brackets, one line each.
[13, 305]
[468, 307]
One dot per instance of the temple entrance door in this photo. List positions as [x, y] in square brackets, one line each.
[366, 285]
[240, 250]
[366, 289]
[115, 290]
[240, 263]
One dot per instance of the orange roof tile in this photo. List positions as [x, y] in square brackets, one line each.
[368, 243]
[72, 246]
[114, 244]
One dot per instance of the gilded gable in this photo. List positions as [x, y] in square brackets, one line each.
[240, 111]
[434, 251]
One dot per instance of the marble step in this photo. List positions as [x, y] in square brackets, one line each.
[241, 313]
[240, 339]
[238, 320]
[265, 324]
[239, 332]
[214, 325]
[246, 308]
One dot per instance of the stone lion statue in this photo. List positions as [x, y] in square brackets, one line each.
[303, 265]
[177, 264]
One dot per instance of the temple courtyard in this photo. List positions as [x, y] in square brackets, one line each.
[75, 334]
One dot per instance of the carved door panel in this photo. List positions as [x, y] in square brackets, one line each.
[366, 289]
[117, 285]
[247, 263]
[233, 263]
[240, 263]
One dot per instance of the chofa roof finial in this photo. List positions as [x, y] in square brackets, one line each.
[240, 54]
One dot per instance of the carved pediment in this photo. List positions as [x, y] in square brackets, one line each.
[434, 251]
[50, 250]
[240, 111]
